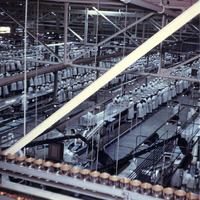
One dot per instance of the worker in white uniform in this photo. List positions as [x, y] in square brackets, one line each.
[43, 88]
[178, 89]
[116, 100]
[74, 71]
[165, 92]
[181, 86]
[90, 82]
[188, 181]
[69, 92]
[130, 110]
[176, 178]
[13, 87]
[43, 79]
[139, 110]
[64, 74]
[143, 88]
[149, 101]
[176, 109]
[52, 77]
[159, 97]
[144, 104]
[185, 84]
[30, 90]
[153, 98]
[12, 66]
[20, 85]
[126, 96]
[73, 132]
[173, 90]
[23, 103]
[68, 73]
[190, 113]
[63, 94]
[7, 66]
[79, 86]
[39, 80]
[31, 82]
[59, 76]
[169, 93]
[5, 90]
[156, 99]
[19, 65]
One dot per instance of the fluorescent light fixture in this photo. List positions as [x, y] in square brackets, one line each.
[4, 29]
[77, 35]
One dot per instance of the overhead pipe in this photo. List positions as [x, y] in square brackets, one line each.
[152, 6]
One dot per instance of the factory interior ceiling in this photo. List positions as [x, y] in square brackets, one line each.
[83, 67]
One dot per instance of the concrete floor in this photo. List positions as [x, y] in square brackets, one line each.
[151, 124]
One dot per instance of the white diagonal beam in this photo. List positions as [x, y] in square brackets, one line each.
[169, 29]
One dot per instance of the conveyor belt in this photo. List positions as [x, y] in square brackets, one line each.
[63, 182]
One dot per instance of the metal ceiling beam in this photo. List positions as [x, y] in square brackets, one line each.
[151, 6]
[31, 34]
[76, 34]
[107, 13]
[53, 68]
[106, 18]
[66, 27]
[29, 60]
[169, 76]
[114, 35]
[158, 27]
[57, 67]
[169, 70]
[83, 2]
[169, 29]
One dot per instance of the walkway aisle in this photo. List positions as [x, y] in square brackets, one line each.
[150, 125]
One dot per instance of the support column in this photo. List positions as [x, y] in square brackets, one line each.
[86, 26]
[55, 86]
[35, 20]
[136, 28]
[161, 63]
[147, 59]
[65, 31]
[143, 31]
[99, 40]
